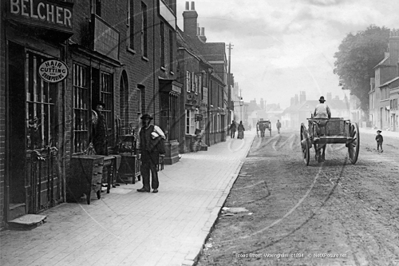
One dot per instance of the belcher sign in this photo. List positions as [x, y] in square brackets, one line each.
[46, 13]
[53, 71]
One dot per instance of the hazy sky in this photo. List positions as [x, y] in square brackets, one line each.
[282, 47]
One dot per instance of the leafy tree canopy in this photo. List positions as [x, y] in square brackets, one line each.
[356, 58]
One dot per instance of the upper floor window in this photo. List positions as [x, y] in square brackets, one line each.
[162, 33]
[188, 81]
[98, 8]
[192, 81]
[144, 32]
[171, 50]
[130, 32]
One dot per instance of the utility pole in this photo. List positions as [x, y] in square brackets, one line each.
[229, 89]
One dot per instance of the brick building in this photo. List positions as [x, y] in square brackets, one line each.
[203, 71]
[383, 90]
[119, 52]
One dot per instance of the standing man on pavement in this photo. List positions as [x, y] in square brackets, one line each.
[99, 133]
[149, 153]
[233, 128]
[241, 130]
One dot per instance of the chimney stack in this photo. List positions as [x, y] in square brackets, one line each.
[302, 97]
[393, 46]
[190, 20]
[329, 96]
[202, 35]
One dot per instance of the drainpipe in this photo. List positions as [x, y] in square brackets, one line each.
[153, 54]
[210, 70]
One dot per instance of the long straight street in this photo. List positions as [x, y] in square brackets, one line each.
[331, 213]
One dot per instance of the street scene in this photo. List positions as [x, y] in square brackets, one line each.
[208, 132]
[281, 212]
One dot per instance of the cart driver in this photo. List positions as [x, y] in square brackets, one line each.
[322, 110]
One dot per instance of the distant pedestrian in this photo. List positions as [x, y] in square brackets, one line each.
[379, 140]
[278, 125]
[233, 128]
[241, 130]
[149, 134]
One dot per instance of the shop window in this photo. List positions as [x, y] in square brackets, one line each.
[144, 31]
[162, 33]
[106, 96]
[41, 115]
[190, 122]
[81, 105]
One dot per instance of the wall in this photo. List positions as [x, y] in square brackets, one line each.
[2, 115]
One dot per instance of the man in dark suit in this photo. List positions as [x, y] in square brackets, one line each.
[149, 134]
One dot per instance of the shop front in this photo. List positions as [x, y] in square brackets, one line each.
[170, 91]
[36, 72]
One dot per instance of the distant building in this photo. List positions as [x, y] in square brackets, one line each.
[301, 109]
[383, 92]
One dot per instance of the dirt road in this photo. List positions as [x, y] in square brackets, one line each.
[333, 213]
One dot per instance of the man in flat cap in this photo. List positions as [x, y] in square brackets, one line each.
[149, 135]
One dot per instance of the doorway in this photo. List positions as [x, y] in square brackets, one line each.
[33, 175]
[16, 181]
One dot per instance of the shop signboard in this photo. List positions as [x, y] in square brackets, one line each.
[53, 70]
[166, 13]
[49, 14]
[106, 38]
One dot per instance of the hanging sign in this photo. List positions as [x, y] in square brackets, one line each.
[53, 71]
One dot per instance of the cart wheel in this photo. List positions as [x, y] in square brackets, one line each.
[305, 145]
[354, 145]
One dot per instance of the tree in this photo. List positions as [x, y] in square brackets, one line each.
[356, 58]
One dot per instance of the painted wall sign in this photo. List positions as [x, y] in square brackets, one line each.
[52, 14]
[106, 39]
[167, 14]
[53, 71]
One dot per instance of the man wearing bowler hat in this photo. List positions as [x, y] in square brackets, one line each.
[149, 153]
[322, 110]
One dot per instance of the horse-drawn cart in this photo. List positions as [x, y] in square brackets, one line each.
[262, 126]
[323, 131]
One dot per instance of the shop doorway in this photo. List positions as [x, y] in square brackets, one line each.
[33, 174]
[16, 185]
